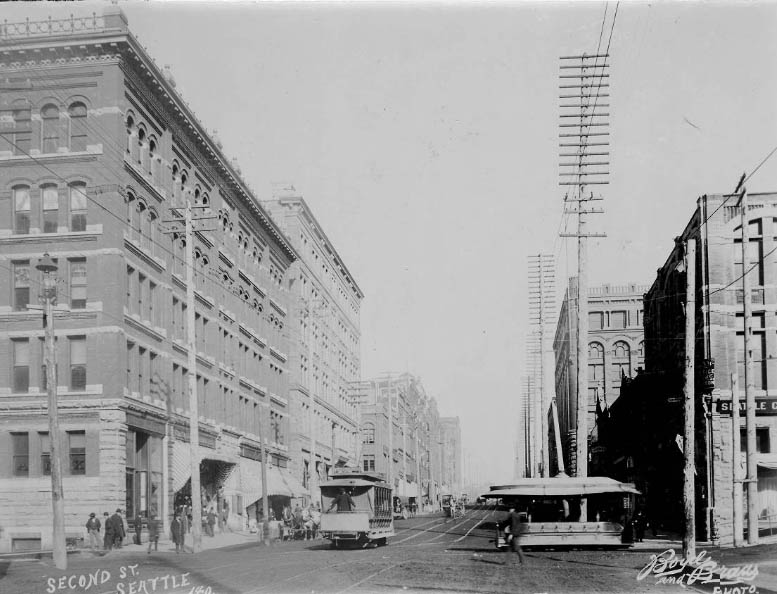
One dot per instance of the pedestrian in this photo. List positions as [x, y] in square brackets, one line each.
[211, 521]
[108, 534]
[153, 533]
[93, 528]
[177, 532]
[639, 526]
[225, 514]
[117, 522]
[515, 531]
[343, 501]
[138, 528]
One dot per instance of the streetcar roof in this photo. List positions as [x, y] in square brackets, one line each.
[351, 482]
[558, 486]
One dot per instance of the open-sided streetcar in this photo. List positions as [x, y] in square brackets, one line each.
[356, 508]
[549, 510]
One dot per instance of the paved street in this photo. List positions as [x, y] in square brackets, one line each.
[427, 553]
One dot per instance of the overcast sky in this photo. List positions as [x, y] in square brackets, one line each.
[424, 137]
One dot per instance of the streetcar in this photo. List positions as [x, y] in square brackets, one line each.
[369, 522]
[549, 511]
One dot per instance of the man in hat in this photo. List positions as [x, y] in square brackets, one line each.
[117, 525]
[93, 529]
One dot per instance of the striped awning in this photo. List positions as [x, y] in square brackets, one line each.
[296, 488]
[182, 465]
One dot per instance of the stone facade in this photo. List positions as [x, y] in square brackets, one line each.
[326, 345]
[97, 150]
[615, 349]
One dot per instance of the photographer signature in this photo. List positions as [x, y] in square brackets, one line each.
[669, 568]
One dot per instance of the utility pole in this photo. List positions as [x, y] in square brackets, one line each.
[689, 397]
[557, 433]
[47, 266]
[736, 460]
[265, 501]
[390, 438]
[191, 348]
[404, 448]
[582, 120]
[750, 445]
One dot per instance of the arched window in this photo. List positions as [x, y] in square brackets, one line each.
[77, 113]
[50, 200]
[621, 361]
[50, 116]
[153, 170]
[22, 130]
[143, 224]
[21, 208]
[152, 231]
[368, 433]
[78, 207]
[595, 361]
[130, 133]
[595, 351]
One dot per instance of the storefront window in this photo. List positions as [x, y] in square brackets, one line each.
[144, 474]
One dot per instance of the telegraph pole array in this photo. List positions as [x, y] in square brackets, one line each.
[188, 221]
[584, 161]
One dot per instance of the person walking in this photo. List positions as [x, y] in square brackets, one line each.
[153, 533]
[211, 521]
[515, 531]
[93, 529]
[177, 532]
[108, 533]
[138, 528]
[225, 515]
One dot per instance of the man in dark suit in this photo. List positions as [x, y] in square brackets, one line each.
[117, 528]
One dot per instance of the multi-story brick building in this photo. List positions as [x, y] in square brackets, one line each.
[651, 417]
[615, 349]
[402, 436]
[451, 453]
[325, 348]
[97, 148]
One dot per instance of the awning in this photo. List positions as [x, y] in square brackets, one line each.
[182, 465]
[569, 486]
[296, 488]
[768, 461]
[251, 479]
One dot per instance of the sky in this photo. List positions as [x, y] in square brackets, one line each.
[424, 136]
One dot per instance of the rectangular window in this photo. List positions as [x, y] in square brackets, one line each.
[141, 370]
[595, 320]
[50, 196]
[21, 285]
[78, 363]
[151, 302]
[21, 454]
[77, 451]
[78, 208]
[21, 203]
[130, 288]
[130, 366]
[618, 319]
[140, 295]
[762, 445]
[78, 283]
[21, 365]
[369, 463]
[23, 131]
[45, 453]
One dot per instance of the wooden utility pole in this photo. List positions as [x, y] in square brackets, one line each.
[557, 433]
[265, 500]
[750, 445]
[584, 141]
[736, 460]
[59, 545]
[191, 348]
[689, 442]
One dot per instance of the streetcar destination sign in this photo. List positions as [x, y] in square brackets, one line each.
[763, 406]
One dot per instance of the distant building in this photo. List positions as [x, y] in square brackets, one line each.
[653, 401]
[325, 349]
[98, 149]
[615, 350]
[450, 428]
[401, 435]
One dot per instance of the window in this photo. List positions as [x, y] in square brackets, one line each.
[762, 445]
[22, 130]
[595, 320]
[77, 112]
[21, 205]
[618, 319]
[21, 454]
[78, 207]
[50, 196]
[368, 434]
[621, 360]
[78, 283]
[21, 285]
[78, 363]
[21, 365]
[45, 453]
[368, 462]
[77, 451]
[50, 117]
[151, 299]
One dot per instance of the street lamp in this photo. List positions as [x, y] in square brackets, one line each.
[47, 266]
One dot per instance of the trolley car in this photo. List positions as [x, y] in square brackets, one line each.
[550, 511]
[369, 521]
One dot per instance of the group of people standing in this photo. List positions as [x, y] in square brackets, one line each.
[113, 528]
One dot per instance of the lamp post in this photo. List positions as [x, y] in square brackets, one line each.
[47, 266]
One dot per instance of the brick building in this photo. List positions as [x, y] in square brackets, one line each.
[96, 149]
[411, 455]
[615, 349]
[326, 344]
[655, 400]
[452, 465]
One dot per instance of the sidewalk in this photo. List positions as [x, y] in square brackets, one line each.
[218, 541]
